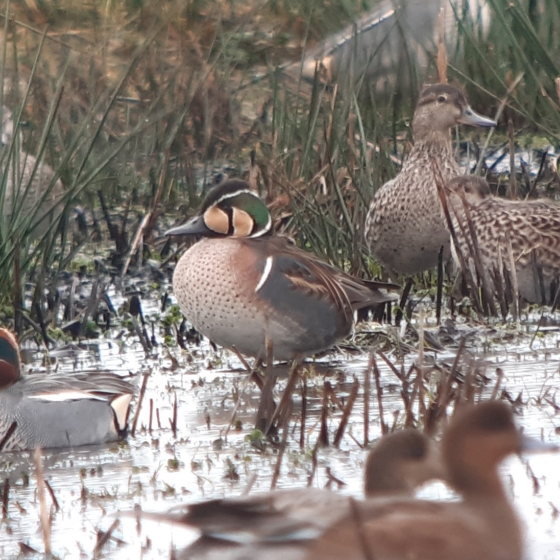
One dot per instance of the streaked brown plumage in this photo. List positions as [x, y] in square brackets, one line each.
[405, 227]
[530, 229]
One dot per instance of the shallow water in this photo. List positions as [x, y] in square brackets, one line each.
[158, 471]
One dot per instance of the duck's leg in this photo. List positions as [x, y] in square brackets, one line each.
[285, 405]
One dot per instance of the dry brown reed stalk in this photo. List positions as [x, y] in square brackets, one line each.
[347, 411]
[499, 278]
[140, 401]
[266, 394]
[367, 391]
[313, 470]
[153, 213]
[512, 189]
[497, 385]
[136, 243]
[379, 393]
[284, 406]
[303, 412]
[439, 290]
[444, 394]
[406, 396]
[151, 416]
[52, 495]
[173, 419]
[323, 438]
[468, 389]
[403, 300]
[138, 518]
[486, 303]
[445, 386]
[43, 514]
[441, 50]
[515, 285]
[104, 537]
[283, 444]
[420, 366]
[267, 405]
[5, 497]
[27, 550]
[135, 309]
[249, 369]
[8, 434]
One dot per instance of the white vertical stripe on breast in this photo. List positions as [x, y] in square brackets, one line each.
[265, 274]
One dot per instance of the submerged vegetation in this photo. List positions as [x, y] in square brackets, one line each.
[135, 113]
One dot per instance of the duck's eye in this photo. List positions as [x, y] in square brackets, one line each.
[442, 98]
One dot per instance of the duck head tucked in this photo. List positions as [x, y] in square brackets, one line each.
[512, 247]
[10, 361]
[58, 409]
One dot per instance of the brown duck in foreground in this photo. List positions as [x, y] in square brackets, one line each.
[509, 235]
[484, 525]
[281, 524]
[405, 227]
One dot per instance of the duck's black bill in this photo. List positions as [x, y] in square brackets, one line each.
[195, 226]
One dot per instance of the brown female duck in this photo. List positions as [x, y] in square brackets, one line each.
[281, 524]
[483, 525]
[243, 287]
[405, 227]
[521, 236]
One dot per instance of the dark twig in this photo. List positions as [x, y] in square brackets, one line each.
[347, 411]
[140, 400]
[379, 391]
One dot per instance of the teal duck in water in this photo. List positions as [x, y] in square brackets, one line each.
[405, 227]
[521, 236]
[281, 524]
[243, 287]
[483, 525]
[58, 410]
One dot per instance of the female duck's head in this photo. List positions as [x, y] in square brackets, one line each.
[441, 107]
